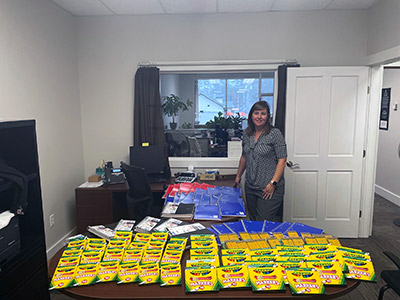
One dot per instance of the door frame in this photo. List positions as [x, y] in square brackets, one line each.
[376, 63]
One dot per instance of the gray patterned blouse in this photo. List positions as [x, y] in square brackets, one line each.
[262, 157]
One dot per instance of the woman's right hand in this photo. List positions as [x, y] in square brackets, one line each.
[237, 182]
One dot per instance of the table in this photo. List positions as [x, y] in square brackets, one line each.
[106, 204]
[111, 290]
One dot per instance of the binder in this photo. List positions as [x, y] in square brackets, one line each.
[282, 228]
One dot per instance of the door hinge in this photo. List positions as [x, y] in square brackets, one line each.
[364, 153]
[367, 90]
[360, 214]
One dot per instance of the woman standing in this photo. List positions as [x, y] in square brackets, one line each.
[264, 159]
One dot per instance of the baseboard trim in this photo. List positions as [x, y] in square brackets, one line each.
[57, 246]
[392, 197]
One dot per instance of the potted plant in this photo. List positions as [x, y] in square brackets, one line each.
[171, 106]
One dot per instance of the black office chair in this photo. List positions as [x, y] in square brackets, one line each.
[391, 277]
[139, 199]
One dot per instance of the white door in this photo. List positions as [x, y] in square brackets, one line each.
[325, 130]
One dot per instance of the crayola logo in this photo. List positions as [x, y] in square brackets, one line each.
[200, 273]
[302, 274]
[263, 271]
[231, 270]
[169, 268]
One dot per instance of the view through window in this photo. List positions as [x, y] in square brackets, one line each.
[215, 110]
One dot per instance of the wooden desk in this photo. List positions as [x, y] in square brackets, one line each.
[111, 290]
[104, 205]
[98, 206]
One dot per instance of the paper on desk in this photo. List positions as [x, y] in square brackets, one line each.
[88, 184]
[234, 149]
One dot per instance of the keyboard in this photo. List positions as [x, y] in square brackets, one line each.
[182, 179]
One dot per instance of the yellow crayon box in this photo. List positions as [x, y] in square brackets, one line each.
[265, 278]
[69, 253]
[170, 246]
[203, 244]
[149, 273]
[201, 257]
[234, 259]
[155, 245]
[170, 275]
[128, 272]
[201, 280]
[203, 251]
[122, 244]
[360, 270]
[96, 241]
[91, 257]
[159, 236]
[208, 263]
[86, 274]
[198, 237]
[142, 237]
[319, 248]
[330, 272]
[283, 265]
[123, 235]
[171, 257]
[77, 244]
[95, 247]
[235, 252]
[178, 240]
[132, 255]
[113, 254]
[305, 282]
[107, 271]
[68, 261]
[151, 256]
[233, 276]
[137, 245]
[63, 277]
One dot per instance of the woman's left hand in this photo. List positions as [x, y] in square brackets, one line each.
[268, 191]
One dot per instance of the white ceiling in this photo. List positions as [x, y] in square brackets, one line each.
[146, 7]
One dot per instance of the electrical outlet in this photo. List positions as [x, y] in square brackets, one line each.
[51, 220]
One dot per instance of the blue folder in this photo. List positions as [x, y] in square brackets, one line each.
[235, 227]
[269, 225]
[221, 228]
[300, 227]
[232, 209]
[207, 212]
[253, 226]
[282, 228]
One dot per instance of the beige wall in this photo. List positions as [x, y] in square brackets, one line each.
[109, 49]
[39, 80]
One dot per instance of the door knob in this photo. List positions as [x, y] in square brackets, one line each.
[292, 165]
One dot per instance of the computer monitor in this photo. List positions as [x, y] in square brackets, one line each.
[150, 158]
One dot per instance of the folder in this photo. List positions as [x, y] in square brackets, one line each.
[232, 209]
[235, 227]
[207, 212]
[253, 226]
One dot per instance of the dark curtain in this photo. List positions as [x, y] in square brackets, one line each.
[148, 125]
[280, 114]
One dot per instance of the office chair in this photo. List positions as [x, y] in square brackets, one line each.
[194, 146]
[139, 199]
[177, 143]
[391, 277]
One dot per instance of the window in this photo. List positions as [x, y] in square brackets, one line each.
[231, 94]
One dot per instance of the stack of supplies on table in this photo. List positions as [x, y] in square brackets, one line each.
[188, 201]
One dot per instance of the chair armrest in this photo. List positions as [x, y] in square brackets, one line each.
[393, 258]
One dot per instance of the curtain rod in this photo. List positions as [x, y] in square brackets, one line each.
[217, 63]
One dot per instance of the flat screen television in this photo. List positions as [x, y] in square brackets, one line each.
[150, 158]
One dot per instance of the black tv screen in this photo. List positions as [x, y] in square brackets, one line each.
[150, 158]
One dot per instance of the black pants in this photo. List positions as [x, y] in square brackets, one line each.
[260, 209]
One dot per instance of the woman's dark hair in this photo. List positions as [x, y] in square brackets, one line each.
[259, 105]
